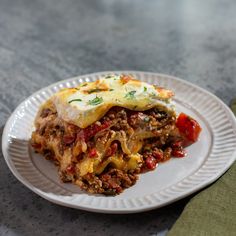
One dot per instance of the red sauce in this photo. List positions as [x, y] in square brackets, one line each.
[151, 163]
[178, 152]
[91, 130]
[93, 153]
[177, 149]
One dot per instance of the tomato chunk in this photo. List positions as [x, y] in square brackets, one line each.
[180, 152]
[151, 163]
[188, 127]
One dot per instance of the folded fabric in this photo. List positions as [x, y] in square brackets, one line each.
[212, 211]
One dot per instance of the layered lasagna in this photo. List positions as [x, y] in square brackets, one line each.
[102, 134]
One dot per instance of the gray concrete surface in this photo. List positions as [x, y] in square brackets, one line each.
[43, 41]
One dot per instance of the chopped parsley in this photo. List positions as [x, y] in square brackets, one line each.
[130, 95]
[144, 89]
[75, 100]
[82, 85]
[95, 101]
[111, 89]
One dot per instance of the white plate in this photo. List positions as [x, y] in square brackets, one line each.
[207, 159]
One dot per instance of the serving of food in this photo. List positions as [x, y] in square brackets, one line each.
[102, 134]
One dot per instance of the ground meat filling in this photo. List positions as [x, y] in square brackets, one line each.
[119, 133]
[111, 182]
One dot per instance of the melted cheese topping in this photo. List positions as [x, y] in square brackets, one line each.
[90, 101]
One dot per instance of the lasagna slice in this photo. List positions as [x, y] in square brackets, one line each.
[102, 134]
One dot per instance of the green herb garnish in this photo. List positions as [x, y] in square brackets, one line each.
[82, 85]
[130, 95]
[75, 100]
[111, 89]
[144, 89]
[95, 101]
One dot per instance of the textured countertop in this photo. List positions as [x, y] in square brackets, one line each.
[43, 41]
